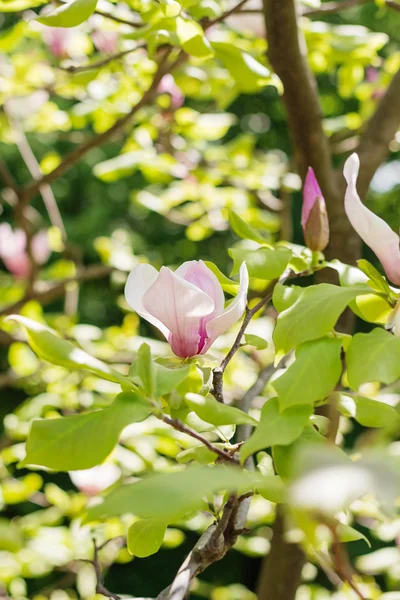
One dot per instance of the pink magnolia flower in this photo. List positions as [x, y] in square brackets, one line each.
[13, 250]
[58, 40]
[95, 480]
[105, 41]
[314, 218]
[372, 229]
[187, 305]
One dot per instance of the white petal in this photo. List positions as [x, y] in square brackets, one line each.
[232, 313]
[197, 273]
[180, 306]
[375, 232]
[140, 280]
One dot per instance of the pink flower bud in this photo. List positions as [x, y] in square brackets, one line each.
[372, 229]
[13, 250]
[314, 218]
[168, 86]
[187, 305]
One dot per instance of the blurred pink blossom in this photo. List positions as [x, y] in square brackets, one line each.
[105, 41]
[13, 250]
[168, 86]
[58, 40]
[95, 480]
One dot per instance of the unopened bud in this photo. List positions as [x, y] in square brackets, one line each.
[314, 217]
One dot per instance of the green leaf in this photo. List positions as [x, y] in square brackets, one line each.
[244, 230]
[373, 356]
[256, 341]
[70, 14]
[19, 5]
[146, 536]
[170, 496]
[249, 74]
[272, 488]
[145, 369]
[229, 286]
[378, 281]
[313, 314]
[166, 379]
[284, 455]
[313, 375]
[200, 454]
[82, 441]
[349, 534]
[192, 39]
[216, 413]
[285, 295]
[276, 427]
[46, 344]
[263, 263]
[366, 411]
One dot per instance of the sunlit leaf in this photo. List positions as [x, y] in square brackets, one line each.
[145, 537]
[69, 14]
[264, 263]
[212, 411]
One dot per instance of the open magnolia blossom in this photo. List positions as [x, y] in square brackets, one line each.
[372, 229]
[13, 250]
[187, 305]
[97, 479]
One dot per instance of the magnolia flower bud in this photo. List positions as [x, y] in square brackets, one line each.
[13, 250]
[187, 305]
[314, 217]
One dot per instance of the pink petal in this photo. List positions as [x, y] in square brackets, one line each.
[140, 280]
[196, 272]
[231, 314]
[18, 264]
[180, 306]
[311, 192]
[372, 229]
[95, 480]
[11, 242]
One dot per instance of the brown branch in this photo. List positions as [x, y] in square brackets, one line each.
[117, 19]
[8, 178]
[342, 563]
[330, 8]
[379, 132]
[228, 13]
[100, 587]
[44, 294]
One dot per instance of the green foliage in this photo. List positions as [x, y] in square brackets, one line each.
[71, 14]
[145, 537]
[368, 412]
[82, 441]
[313, 314]
[276, 427]
[314, 373]
[255, 340]
[264, 263]
[373, 356]
[171, 495]
[211, 411]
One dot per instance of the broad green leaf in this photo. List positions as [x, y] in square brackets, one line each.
[272, 488]
[378, 281]
[244, 230]
[263, 263]
[145, 369]
[367, 412]
[284, 455]
[19, 5]
[369, 307]
[70, 14]
[249, 74]
[216, 413]
[166, 379]
[285, 295]
[349, 534]
[313, 314]
[170, 496]
[11, 37]
[146, 536]
[373, 356]
[229, 286]
[256, 341]
[276, 427]
[170, 8]
[313, 375]
[82, 441]
[46, 344]
[192, 38]
[200, 454]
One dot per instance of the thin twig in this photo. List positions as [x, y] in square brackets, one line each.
[101, 63]
[228, 13]
[8, 178]
[100, 587]
[117, 19]
[179, 426]
[332, 7]
[36, 172]
[48, 293]
[342, 563]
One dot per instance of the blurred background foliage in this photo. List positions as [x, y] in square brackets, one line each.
[215, 138]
